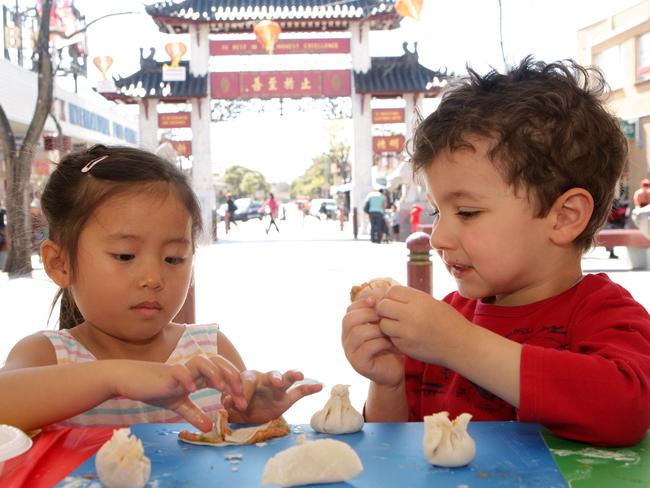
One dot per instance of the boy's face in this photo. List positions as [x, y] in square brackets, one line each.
[486, 235]
[134, 264]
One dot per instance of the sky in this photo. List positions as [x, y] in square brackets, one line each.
[450, 35]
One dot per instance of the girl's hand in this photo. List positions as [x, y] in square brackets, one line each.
[267, 396]
[169, 386]
[421, 326]
[367, 348]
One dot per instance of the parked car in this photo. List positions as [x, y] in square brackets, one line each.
[330, 208]
[247, 209]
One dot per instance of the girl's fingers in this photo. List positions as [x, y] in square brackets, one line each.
[184, 376]
[295, 394]
[230, 374]
[194, 415]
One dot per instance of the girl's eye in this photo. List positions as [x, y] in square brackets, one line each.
[123, 257]
[466, 214]
[174, 260]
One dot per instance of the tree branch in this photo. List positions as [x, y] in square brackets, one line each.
[68, 36]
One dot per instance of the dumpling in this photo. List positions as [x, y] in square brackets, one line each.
[308, 462]
[446, 443]
[121, 463]
[338, 416]
[376, 287]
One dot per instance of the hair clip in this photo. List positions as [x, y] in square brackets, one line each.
[90, 165]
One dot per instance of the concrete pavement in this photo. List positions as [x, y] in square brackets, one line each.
[280, 298]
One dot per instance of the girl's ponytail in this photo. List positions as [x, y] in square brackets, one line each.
[69, 314]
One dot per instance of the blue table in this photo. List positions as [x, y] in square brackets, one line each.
[508, 454]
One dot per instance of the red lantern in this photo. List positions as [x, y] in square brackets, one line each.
[103, 64]
[176, 50]
[267, 33]
[409, 8]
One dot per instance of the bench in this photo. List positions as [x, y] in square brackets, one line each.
[638, 246]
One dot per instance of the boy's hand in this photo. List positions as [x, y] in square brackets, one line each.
[266, 395]
[421, 326]
[367, 348]
[169, 386]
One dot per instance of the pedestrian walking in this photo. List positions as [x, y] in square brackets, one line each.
[271, 205]
[230, 212]
[376, 203]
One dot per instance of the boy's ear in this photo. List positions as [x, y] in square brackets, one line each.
[570, 215]
[56, 263]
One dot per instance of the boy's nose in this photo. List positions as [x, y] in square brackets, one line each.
[440, 237]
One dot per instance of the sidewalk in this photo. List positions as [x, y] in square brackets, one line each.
[280, 299]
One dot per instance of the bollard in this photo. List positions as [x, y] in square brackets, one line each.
[418, 268]
[355, 222]
[187, 313]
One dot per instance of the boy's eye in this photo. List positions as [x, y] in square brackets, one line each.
[123, 257]
[434, 213]
[174, 260]
[466, 214]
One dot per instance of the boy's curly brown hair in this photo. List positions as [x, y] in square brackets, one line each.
[550, 128]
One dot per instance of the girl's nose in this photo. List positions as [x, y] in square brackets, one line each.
[152, 280]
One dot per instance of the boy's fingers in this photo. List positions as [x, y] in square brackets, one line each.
[400, 293]
[194, 415]
[367, 302]
[373, 347]
[391, 309]
[361, 334]
[390, 327]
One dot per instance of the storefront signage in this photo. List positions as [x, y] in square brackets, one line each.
[272, 84]
[283, 46]
[382, 144]
[174, 120]
[388, 116]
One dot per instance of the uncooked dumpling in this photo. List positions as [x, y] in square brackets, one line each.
[121, 463]
[319, 461]
[446, 443]
[377, 287]
[338, 416]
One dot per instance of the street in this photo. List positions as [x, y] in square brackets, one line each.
[280, 298]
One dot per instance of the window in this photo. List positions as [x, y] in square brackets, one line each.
[643, 57]
[610, 61]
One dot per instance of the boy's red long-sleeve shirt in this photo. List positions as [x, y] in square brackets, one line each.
[585, 365]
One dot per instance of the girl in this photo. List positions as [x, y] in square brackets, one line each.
[123, 228]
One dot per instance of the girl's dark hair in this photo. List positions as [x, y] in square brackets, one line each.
[84, 180]
[550, 128]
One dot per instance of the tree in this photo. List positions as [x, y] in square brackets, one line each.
[18, 160]
[242, 181]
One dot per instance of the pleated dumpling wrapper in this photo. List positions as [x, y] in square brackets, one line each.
[309, 462]
[376, 287]
[121, 463]
[446, 443]
[338, 416]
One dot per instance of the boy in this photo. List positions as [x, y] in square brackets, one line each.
[521, 171]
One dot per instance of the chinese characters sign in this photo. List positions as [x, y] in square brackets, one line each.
[381, 144]
[283, 46]
[273, 84]
[388, 116]
[174, 120]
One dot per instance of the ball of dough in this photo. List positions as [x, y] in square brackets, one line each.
[376, 287]
[121, 463]
[446, 443]
[338, 416]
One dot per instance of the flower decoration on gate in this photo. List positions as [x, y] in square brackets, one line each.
[409, 8]
[267, 33]
[176, 51]
[103, 64]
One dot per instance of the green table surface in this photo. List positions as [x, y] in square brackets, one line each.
[587, 466]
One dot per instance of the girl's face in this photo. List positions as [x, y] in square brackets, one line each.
[488, 237]
[134, 263]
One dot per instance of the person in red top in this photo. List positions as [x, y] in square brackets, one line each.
[416, 210]
[521, 170]
[271, 206]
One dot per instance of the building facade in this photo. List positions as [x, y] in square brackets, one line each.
[620, 46]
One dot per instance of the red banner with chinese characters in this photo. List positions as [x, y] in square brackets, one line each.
[381, 144]
[174, 120]
[273, 84]
[182, 148]
[388, 116]
[283, 46]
